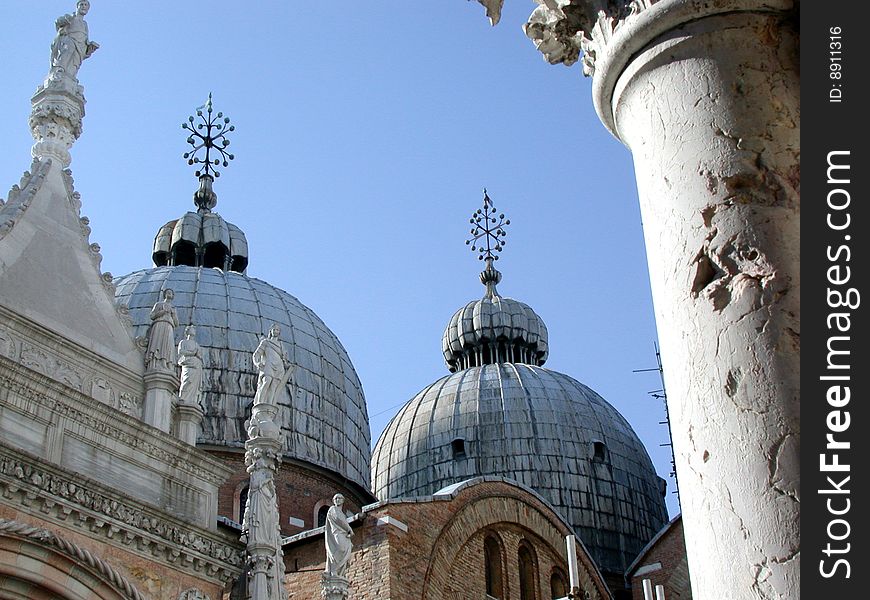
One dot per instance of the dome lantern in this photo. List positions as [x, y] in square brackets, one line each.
[494, 329]
[203, 238]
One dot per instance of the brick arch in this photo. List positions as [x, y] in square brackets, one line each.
[487, 512]
[36, 564]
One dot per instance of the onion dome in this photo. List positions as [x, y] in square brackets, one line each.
[201, 239]
[500, 413]
[493, 330]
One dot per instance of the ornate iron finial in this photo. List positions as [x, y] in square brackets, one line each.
[210, 134]
[487, 233]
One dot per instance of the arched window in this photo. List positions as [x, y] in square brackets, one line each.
[558, 584]
[321, 515]
[492, 567]
[528, 578]
[599, 451]
[243, 500]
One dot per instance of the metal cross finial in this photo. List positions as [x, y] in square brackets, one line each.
[210, 134]
[487, 233]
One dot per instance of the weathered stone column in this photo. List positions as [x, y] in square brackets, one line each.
[706, 96]
[261, 522]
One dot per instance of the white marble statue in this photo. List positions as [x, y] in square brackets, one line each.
[71, 45]
[260, 521]
[338, 533]
[160, 355]
[273, 367]
[190, 361]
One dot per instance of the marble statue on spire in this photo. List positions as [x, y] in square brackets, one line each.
[71, 45]
[58, 105]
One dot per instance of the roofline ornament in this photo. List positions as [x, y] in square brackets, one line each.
[208, 135]
[487, 238]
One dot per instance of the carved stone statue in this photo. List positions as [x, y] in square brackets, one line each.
[160, 355]
[273, 367]
[71, 45]
[190, 361]
[338, 534]
[260, 521]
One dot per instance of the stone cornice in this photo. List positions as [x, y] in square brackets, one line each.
[51, 493]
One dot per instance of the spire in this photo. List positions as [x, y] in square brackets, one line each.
[208, 134]
[487, 237]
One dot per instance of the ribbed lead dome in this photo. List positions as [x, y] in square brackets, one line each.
[494, 330]
[541, 428]
[327, 425]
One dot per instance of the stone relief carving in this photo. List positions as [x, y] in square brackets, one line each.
[102, 390]
[126, 523]
[40, 361]
[561, 29]
[130, 405]
[7, 345]
[193, 594]
[63, 408]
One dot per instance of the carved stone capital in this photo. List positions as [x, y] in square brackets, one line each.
[333, 587]
[56, 121]
[605, 35]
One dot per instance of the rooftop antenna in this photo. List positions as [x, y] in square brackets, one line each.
[662, 394]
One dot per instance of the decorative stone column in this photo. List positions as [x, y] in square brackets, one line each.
[706, 96]
[261, 522]
[333, 587]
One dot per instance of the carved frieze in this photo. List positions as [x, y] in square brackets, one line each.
[77, 410]
[193, 594]
[56, 495]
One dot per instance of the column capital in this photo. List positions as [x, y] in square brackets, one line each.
[604, 35]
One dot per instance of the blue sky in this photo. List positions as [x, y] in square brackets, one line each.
[365, 133]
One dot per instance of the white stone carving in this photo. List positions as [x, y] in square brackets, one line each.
[71, 45]
[337, 538]
[261, 523]
[160, 355]
[53, 494]
[7, 345]
[102, 390]
[273, 367]
[190, 361]
[193, 594]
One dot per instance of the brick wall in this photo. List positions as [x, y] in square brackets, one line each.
[664, 563]
[441, 553]
[301, 490]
